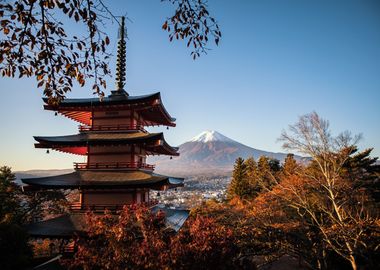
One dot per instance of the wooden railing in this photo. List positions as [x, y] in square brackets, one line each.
[69, 249]
[78, 207]
[113, 165]
[111, 128]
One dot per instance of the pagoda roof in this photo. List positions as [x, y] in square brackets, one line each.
[105, 179]
[175, 218]
[67, 225]
[64, 226]
[150, 107]
[154, 143]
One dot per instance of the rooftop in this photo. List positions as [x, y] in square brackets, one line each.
[105, 179]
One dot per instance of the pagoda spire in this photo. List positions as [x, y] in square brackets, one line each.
[121, 60]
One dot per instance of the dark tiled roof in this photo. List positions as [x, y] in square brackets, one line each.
[106, 179]
[149, 106]
[149, 140]
[131, 137]
[62, 227]
[110, 100]
[67, 225]
[175, 218]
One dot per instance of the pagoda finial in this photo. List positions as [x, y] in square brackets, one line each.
[121, 59]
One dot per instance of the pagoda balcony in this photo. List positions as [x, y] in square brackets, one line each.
[113, 165]
[78, 207]
[84, 128]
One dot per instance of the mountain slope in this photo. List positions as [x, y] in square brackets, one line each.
[209, 153]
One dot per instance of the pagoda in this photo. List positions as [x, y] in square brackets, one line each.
[113, 139]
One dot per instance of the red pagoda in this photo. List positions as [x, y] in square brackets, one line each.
[112, 136]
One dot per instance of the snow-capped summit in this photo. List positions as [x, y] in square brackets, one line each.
[210, 136]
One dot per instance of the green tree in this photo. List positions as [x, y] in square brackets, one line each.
[290, 166]
[363, 170]
[267, 172]
[253, 177]
[239, 186]
[10, 204]
[274, 165]
[14, 249]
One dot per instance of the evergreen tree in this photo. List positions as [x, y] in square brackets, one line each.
[252, 177]
[274, 165]
[252, 170]
[239, 184]
[14, 249]
[364, 172]
[10, 209]
[290, 166]
[266, 175]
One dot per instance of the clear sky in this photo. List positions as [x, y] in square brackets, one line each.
[277, 60]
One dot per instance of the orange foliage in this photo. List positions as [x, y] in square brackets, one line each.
[139, 239]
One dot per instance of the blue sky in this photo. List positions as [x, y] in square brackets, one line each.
[277, 60]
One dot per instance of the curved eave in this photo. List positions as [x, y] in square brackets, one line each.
[100, 138]
[149, 106]
[64, 181]
[175, 218]
[64, 226]
[153, 143]
[82, 117]
[172, 182]
[104, 179]
[87, 104]
[159, 115]
[164, 149]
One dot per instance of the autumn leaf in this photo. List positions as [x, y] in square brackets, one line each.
[165, 25]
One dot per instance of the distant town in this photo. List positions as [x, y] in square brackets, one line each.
[195, 191]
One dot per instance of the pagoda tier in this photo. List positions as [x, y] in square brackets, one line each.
[105, 179]
[146, 110]
[106, 189]
[109, 143]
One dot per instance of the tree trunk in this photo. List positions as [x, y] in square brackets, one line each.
[353, 262]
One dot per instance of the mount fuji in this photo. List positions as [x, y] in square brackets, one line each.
[209, 153]
[211, 136]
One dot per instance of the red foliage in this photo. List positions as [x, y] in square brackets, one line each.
[204, 244]
[139, 239]
[133, 240]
